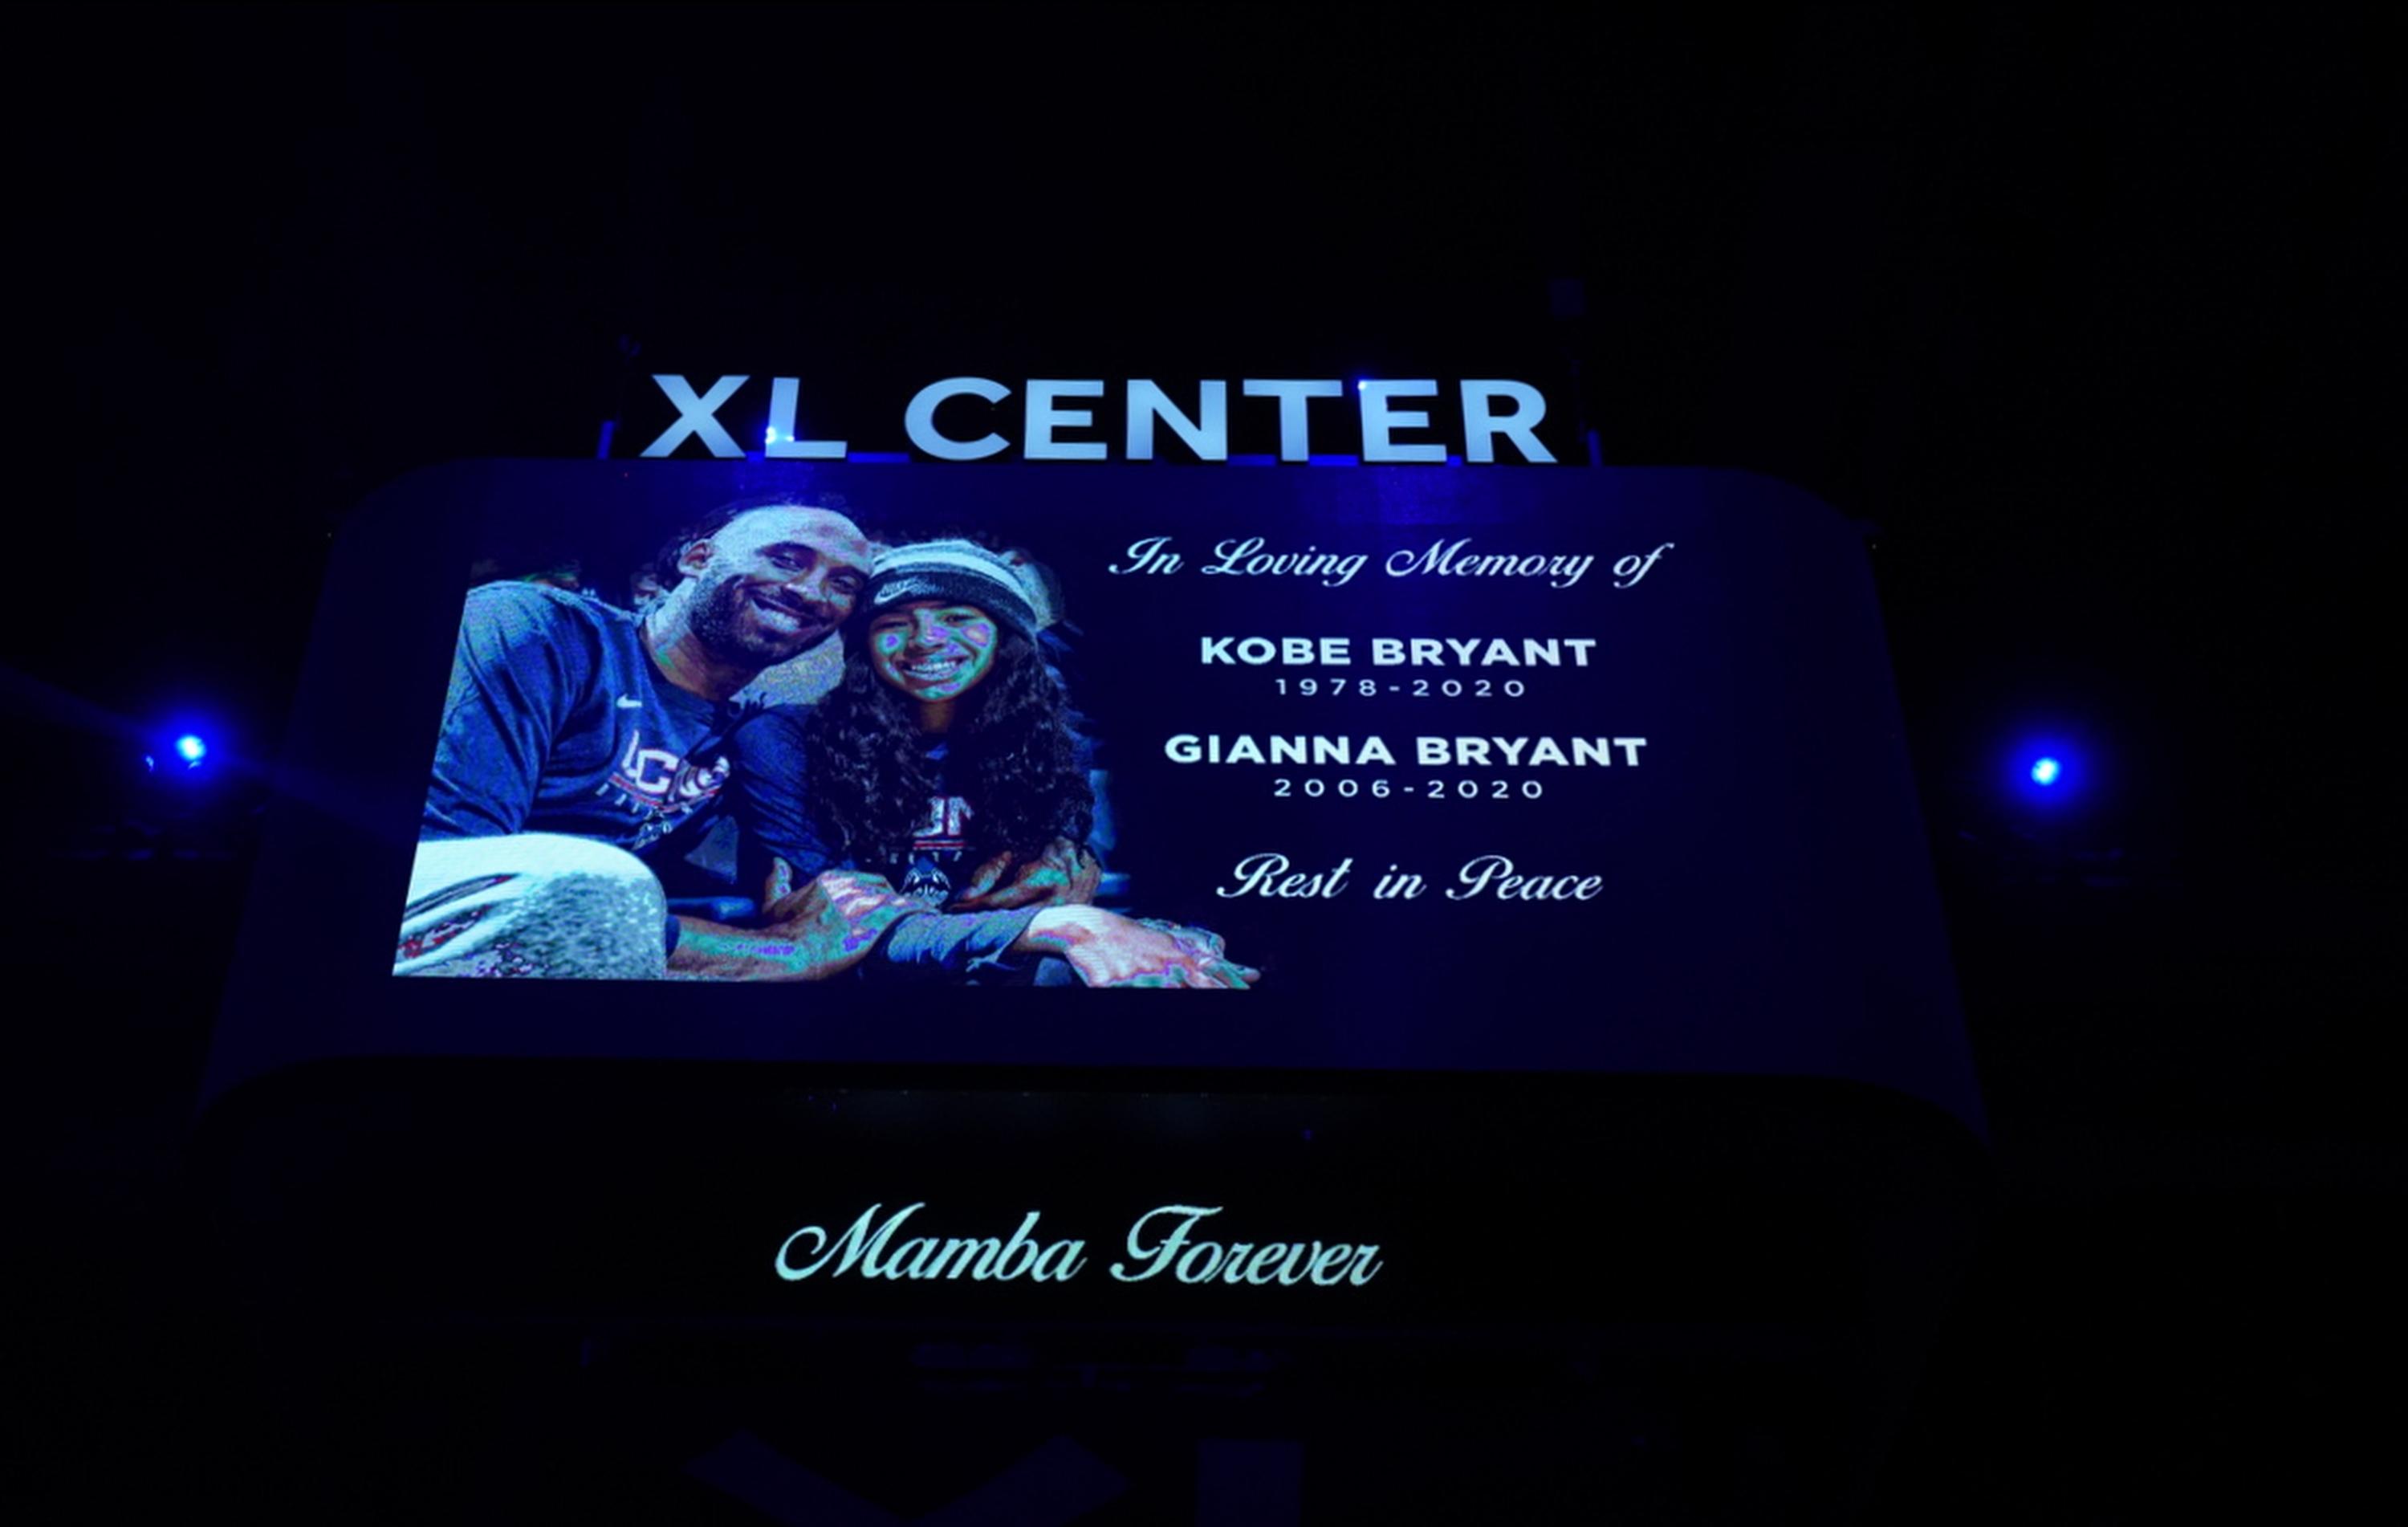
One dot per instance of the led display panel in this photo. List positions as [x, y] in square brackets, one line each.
[1428, 770]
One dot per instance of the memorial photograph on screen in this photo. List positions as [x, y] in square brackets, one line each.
[1439, 768]
[777, 748]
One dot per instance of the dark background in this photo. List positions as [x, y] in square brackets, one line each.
[2087, 314]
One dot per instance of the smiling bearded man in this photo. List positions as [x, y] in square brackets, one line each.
[576, 740]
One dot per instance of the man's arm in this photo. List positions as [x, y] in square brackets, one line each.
[1064, 874]
[783, 850]
[935, 943]
[859, 916]
[1106, 949]
[779, 845]
[515, 674]
[823, 930]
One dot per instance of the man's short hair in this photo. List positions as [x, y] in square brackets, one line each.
[673, 553]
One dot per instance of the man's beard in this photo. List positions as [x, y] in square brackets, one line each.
[725, 622]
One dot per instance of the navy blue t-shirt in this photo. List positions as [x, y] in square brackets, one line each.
[777, 820]
[772, 809]
[768, 795]
[557, 721]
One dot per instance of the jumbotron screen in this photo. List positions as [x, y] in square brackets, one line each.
[1425, 769]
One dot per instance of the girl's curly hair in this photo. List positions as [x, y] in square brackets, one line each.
[1011, 753]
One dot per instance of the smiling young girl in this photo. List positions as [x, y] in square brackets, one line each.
[949, 739]
[946, 762]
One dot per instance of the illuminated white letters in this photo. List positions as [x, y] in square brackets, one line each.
[920, 419]
[780, 443]
[1293, 651]
[697, 417]
[1534, 651]
[1295, 431]
[1044, 416]
[1212, 748]
[1046, 413]
[1474, 752]
[1379, 419]
[1481, 427]
[1208, 436]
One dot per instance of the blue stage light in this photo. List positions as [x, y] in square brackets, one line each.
[2050, 772]
[190, 748]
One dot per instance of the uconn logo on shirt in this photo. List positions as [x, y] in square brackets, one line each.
[945, 829]
[663, 783]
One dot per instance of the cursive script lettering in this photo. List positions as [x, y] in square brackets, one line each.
[1239, 1261]
[1447, 559]
[1162, 1241]
[1245, 558]
[1268, 874]
[1494, 875]
[869, 1250]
